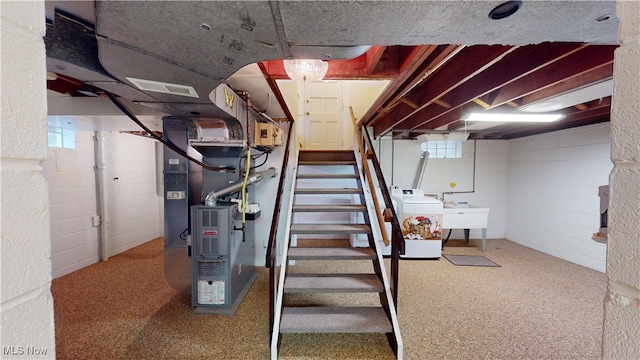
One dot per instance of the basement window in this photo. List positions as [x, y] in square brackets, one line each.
[447, 149]
[62, 138]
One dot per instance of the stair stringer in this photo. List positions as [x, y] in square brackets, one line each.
[275, 336]
[374, 242]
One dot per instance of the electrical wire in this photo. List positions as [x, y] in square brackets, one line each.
[264, 162]
[268, 118]
[258, 156]
[173, 147]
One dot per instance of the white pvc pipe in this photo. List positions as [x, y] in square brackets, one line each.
[103, 236]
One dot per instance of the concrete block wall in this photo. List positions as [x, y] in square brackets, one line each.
[132, 197]
[26, 305]
[542, 191]
[72, 204]
[487, 191]
[400, 160]
[621, 339]
[553, 204]
[133, 205]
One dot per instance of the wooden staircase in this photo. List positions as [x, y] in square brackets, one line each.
[330, 286]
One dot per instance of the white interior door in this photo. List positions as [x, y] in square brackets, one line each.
[323, 115]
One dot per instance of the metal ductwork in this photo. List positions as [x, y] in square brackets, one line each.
[212, 198]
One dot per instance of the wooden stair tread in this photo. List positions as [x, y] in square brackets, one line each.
[331, 253]
[330, 229]
[327, 176]
[334, 243]
[328, 208]
[328, 191]
[327, 163]
[326, 155]
[310, 317]
[332, 283]
[334, 320]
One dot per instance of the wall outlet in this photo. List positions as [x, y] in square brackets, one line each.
[95, 220]
[175, 195]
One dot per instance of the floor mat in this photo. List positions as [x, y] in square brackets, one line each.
[470, 260]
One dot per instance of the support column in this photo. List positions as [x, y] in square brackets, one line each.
[621, 337]
[27, 330]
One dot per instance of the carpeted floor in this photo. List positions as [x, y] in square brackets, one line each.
[532, 307]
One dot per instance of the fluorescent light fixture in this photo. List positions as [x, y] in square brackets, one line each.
[452, 136]
[513, 117]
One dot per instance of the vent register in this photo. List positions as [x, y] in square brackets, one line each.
[162, 87]
[210, 233]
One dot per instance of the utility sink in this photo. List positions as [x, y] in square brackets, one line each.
[466, 216]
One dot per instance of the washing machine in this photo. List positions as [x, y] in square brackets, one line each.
[420, 219]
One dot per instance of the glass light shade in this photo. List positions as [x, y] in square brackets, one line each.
[306, 70]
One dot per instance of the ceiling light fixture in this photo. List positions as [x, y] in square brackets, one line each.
[513, 117]
[505, 10]
[306, 70]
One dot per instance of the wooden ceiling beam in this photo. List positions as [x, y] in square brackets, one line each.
[599, 113]
[591, 105]
[467, 63]
[372, 58]
[481, 103]
[412, 68]
[592, 76]
[572, 66]
[515, 65]
[442, 103]
[450, 117]
[276, 90]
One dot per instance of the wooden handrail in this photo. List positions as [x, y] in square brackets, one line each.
[397, 240]
[365, 163]
[396, 232]
[270, 258]
[276, 211]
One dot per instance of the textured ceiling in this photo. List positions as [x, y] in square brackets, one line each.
[201, 44]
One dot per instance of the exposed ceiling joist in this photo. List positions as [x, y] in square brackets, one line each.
[413, 71]
[440, 83]
[572, 66]
[561, 48]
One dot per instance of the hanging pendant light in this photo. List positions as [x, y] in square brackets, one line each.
[306, 70]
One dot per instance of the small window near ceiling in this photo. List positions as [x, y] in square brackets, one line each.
[447, 149]
[62, 138]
